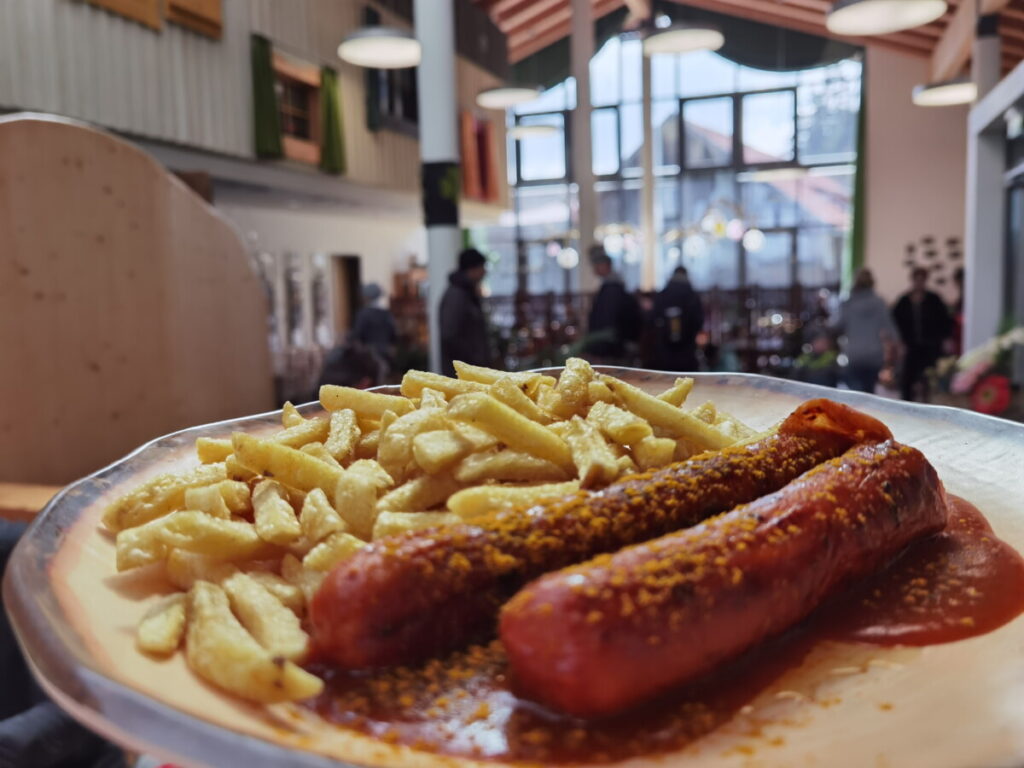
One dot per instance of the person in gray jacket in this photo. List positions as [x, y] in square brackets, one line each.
[865, 321]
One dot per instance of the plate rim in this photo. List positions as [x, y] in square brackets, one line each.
[82, 687]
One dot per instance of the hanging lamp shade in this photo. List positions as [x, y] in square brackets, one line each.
[381, 48]
[881, 17]
[505, 96]
[946, 93]
[525, 131]
[683, 38]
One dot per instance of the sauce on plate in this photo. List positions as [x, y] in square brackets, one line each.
[953, 585]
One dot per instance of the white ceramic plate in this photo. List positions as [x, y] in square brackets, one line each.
[959, 705]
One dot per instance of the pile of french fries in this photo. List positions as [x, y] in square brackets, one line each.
[248, 534]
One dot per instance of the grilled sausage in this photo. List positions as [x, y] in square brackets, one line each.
[599, 637]
[413, 596]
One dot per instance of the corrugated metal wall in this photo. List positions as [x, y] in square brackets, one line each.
[70, 58]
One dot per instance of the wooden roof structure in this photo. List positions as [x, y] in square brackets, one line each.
[531, 25]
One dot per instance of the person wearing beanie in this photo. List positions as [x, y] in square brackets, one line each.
[615, 317]
[463, 323]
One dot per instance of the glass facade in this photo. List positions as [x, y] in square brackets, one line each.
[735, 149]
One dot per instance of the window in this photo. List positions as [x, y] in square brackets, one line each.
[297, 87]
[735, 148]
[391, 94]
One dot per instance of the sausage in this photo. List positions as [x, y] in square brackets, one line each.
[413, 596]
[596, 638]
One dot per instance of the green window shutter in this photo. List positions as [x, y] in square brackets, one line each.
[332, 134]
[266, 119]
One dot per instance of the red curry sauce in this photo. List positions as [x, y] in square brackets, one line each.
[957, 584]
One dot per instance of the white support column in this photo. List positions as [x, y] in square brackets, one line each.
[439, 152]
[986, 55]
[647, 231]
[581, 47]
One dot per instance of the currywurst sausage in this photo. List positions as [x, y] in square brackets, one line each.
[601, 636]
[409, 597]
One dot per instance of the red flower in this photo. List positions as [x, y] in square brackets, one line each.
[991, 395]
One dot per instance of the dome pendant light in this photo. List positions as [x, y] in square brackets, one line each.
[684, 37]
[505, 96]
[881, 17]
[946, 93]
[381, 48]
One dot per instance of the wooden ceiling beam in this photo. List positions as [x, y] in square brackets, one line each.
[558, 15]
[531, 14]
[953, 50]
[554, 30]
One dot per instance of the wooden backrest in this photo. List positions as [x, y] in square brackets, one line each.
[128, 307]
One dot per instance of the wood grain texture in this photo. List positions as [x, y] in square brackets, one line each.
[128, 307]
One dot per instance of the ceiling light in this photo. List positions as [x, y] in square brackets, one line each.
[683, 38]
[380, 48]
[945, 94]
[880, 17]
[505, 96]
[534, 129]
[754, 240]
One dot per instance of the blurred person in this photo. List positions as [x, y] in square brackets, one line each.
[865, 322]
[615, 318]
[463, 323]
[374, 327]
[819, 364]
[350, 365]
[678, 317]
[924, 324]
[956, 336]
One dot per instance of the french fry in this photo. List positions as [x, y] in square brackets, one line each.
[366, 448]
[660, 413]
[480, 440]
[290, 416]
[528, 381]
[306, 580]
[414, 382]
[318, 518]
[621, 426]
[422, 493]
[331, 551]
[397, 523]
[654, 452]
[395, 450]
[235, 471]
[211, 450]
[676, 394]
[509, 466]
[706, 412]
[220, 499]
[317, 450]
[220, 650]
[287, 593]
[365, 404]
[439, 449]
[269, 621]
[626, 465]
[516, 431]
[293, 468]
[598, 392]
[273, 514]
[355, 495]
[163, 626]
[596, 464]
[189, 530]
[343, 434]
[158, 497]
[481, 499]
[432, 398]
[512, 394]
[306, 431]
[183, 569]
[550, 402]
[572, 383]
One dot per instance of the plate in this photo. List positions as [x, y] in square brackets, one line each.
[954, 705]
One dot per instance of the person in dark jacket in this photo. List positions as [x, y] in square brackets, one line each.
[924, 324]
[464, 334]
[678, 317]
[374, 326]
[615, 317]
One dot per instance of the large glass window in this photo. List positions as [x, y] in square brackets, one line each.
[754, 170]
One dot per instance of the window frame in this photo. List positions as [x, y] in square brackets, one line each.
[301, 150]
